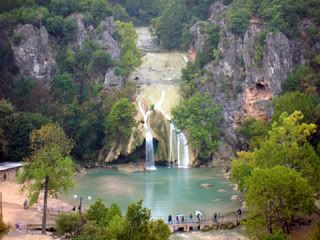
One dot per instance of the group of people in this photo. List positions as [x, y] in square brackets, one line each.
[180, 218]
[215, 217]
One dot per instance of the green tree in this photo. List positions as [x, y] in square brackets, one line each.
[137, 220]
[295, 79]
[274, 197]
[120, 120]
[293, 101]
[18, 130]
[253, 131]
[49, 167]
[116, 228]
[158, 230]
[101, 60]
[62, 88]
[200, 117]
[242, 167]
[69, 224]
[97, 212]
[6, 109]
[286, 145]
[130, 54]
[169, 26]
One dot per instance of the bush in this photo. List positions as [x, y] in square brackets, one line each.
[100, 61]
[238, 19]
[120, 120]
[294, 101]
[296, 78]
[253, 131]
[4, 228]
[276, 236]
[64, 7]
[69, 224]
[97, 212]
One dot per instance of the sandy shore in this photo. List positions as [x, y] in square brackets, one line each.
[13, 211]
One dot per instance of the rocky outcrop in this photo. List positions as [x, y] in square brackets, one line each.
[104, 36]
[82, 33]
[112, 81]
[33, 53]
[160, 131]
[34, 50]
[248, 72]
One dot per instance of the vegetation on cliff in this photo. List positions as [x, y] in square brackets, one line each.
[75, 98]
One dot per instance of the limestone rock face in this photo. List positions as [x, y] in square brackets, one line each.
[248, 73]
[104, 36]
[112, 81]
[34, 54]
[82, 33]
[160, 130]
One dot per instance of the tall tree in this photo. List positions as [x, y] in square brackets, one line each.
[49, 167]
[6, 109]
[120, 120]
[286, 145]
[274, 197]
[199, 116]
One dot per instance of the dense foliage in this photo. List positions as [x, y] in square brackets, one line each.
[102, 223]
[275, 196]
[75, 98]
[49, 168]
[200, 117]
[285, 145]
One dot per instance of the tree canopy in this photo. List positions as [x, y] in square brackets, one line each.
[49, 167]
[275, 196]
[200, 117]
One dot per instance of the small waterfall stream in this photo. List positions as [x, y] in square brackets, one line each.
[178, 147]
[149, 140]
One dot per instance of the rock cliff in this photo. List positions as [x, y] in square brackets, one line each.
[33, 53]
[35, 50]
[249, 70]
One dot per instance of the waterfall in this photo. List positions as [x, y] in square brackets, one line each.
[149, 140]
[178, 147]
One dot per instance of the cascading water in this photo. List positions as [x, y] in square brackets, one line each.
[178, 147]
[149, 140]
[160, 71]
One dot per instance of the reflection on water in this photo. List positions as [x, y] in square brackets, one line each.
[165, 191]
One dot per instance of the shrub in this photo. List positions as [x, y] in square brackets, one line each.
[69, 224]
[4, 228]
[101, 60]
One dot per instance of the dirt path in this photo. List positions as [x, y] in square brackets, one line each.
[13, 211]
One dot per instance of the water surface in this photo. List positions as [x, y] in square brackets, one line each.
[165, 191]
